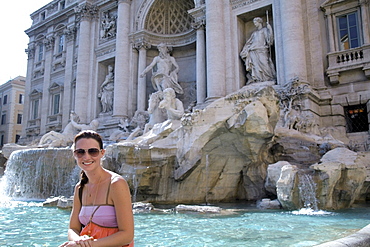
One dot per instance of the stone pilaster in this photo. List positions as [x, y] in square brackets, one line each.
[85, 14]
[365, 16]
[45, 102]
[70, 34]
[27, 102]
[142, 47]
[122, 65]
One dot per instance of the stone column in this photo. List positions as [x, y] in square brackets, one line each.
[70, 34]
[27, 102]
[292, 29]
[45, 102]
[215, 41]
[122, 68]
[141, 87]
[199, 25]
[86, 13]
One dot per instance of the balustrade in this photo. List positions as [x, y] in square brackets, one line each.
[340, 61]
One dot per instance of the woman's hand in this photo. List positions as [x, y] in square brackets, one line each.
[84, 241]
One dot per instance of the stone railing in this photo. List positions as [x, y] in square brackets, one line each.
[33, 126]
[340, 61]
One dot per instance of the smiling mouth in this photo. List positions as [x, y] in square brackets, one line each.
[87, 163]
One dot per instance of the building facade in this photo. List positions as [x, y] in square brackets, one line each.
[73, 43]
[11, 107]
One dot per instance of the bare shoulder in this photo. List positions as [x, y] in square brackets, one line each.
[117, 181]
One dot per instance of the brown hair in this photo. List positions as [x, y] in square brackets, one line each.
[86, 134]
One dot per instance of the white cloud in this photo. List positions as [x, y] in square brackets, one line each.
[15, 19]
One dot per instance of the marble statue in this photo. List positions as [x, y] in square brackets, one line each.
[59, 139]
[122, 133]
[256, 55]
[94, 124]
[164, 76]
[172, 105]
[156, 114]
[108, 26]
[106, 94]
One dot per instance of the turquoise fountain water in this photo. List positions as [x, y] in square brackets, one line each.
[25, 222]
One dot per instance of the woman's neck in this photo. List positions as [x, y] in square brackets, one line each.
[96, 177]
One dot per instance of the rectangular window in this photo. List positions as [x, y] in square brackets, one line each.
[5, 101]
[35, 109]
[56, 100]
[2, 140]
[41, 52]
[3, 119]
[61, 44]
[20, 99]
[17, 138]
[62, 4]
[349, 35]
[356, 118]
[19, 118]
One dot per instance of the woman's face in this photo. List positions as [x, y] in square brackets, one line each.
[88, 155]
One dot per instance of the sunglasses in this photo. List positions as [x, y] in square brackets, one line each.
[93, 152]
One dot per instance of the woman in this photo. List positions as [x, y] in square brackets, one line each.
[102, 211]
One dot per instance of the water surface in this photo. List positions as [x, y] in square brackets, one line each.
[29, 224]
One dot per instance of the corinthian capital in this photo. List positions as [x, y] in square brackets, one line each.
[31, 50]
[70, 33]
[142, 44]
[86, 12]
[49, 42]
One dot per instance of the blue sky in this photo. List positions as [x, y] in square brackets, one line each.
[14, 19]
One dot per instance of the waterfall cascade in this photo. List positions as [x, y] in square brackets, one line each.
[307, 192]
[40, 173]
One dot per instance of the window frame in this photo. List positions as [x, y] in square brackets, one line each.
[346, 14]
[55, 109]
[5, 99]
[3, 118]
[35, 109]
[19, 118]
[21, 99]
[353, 115]
[40, 56]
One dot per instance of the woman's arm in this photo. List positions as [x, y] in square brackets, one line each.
[121, 197]
[75, 226]
[74, 222]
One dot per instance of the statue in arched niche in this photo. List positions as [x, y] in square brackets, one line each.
[106, 94]
[164, 68]
[256, 53]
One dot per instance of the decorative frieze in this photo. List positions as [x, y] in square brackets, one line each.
[241, 3]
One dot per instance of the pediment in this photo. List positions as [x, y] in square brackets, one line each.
[328, 3]
[36, 91]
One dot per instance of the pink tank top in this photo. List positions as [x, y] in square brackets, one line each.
[102, 215]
